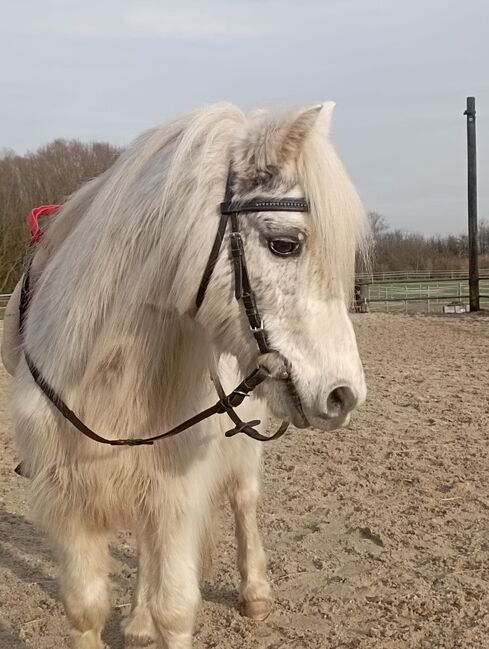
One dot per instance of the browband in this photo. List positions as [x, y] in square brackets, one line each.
[265, 205]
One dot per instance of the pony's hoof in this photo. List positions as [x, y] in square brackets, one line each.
[257, 610]
[86, 640]
[139, 629]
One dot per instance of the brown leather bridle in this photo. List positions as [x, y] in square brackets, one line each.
[227, 403]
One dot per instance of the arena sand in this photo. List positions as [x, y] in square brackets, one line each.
[377, 535]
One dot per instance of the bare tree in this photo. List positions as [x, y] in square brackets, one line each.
[395, 250]
[49, 175]
[378, 225]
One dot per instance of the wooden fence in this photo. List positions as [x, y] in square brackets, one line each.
[418, 295]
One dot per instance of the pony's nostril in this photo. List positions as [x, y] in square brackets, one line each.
[341, 401]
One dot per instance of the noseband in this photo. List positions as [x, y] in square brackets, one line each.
[229, 210]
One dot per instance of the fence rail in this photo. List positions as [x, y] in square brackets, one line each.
[396, 294]
[4, 298]
[428, 295]
[407, 275]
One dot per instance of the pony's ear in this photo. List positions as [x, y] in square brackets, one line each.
[301, 125]
[325, 117]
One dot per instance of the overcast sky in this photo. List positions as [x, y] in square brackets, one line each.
[399, 71]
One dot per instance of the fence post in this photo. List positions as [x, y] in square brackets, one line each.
[362, 296]
[472, 205]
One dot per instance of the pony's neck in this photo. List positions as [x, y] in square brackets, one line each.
[154, 373]
[188, 360]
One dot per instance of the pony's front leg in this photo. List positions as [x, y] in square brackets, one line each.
[173, 588]
[139, 623]
[255, 592]
[84, 566]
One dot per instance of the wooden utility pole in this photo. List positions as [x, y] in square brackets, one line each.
[472, 206]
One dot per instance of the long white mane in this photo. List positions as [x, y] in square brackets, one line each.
[143, 226]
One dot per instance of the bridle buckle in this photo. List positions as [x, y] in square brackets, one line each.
[261, 327]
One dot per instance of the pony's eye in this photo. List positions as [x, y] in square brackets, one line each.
[284, 246]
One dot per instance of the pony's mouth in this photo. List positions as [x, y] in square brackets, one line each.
[280, 371]
[329, 424]
[298, 418]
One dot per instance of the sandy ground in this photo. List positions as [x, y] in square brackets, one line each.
[377, 536]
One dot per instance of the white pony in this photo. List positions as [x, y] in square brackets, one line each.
[112, 327]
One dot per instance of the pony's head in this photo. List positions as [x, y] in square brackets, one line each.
[301, 267]
[149, 224]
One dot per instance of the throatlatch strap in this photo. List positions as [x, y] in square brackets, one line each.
[216, 247]
[25, 297]
[211, 263]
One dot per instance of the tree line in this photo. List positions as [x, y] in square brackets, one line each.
[397, 250]
[54, 171]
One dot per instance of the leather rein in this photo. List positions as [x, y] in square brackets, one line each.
[229, 211]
